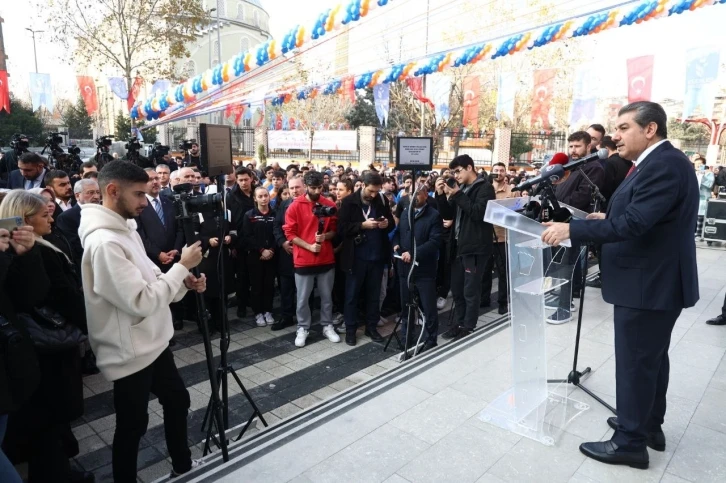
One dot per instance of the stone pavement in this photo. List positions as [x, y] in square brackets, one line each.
[420, 422]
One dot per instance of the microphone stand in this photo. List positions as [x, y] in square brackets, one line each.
[575, 376]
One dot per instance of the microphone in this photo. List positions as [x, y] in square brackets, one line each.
[553, 172]
[600, 154]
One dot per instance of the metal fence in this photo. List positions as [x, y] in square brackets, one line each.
[537, 147]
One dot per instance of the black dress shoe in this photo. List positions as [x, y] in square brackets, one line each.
[428, 345]
[607, 452]
[350, 338]
[719, 320]
[374, 335]
[503, 309]
[597, 283]
[655, 439]
[281, 324]
[456, 333]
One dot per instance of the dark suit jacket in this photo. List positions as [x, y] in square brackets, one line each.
[159, 238]
[648, 259]
[68, 223]
[16, 180]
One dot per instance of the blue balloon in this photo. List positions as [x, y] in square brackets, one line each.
[179, 94]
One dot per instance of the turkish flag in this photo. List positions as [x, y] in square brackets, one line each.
[292, 124]
[4, 91]
[88, 93]
[416, 86]
[135, 91]
[640, 78]
[544, 85]
[472, 91]
[348, 89]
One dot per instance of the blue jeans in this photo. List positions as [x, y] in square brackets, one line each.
[7, 470]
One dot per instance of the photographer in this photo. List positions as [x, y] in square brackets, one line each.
[310, 227]
[471, 243]
[365, 220]
[193, 157]
[259, 244]
[127, 301]
[18, 146]
[428, 227]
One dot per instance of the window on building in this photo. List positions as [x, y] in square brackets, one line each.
[244, 44]
[256, 18]
[189, 69]
[241, 12]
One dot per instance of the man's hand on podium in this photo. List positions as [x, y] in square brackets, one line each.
[556, 233]
[596, 216]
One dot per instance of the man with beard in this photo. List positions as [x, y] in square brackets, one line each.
[365, 220]
[60, 183]
[427, 227]
[129, 322]
[312, 252]
[193, 158]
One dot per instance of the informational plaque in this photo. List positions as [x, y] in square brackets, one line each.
[414, 154]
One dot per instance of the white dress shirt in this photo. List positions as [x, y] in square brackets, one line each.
[647, 152]
[29, 184]
[64, 206]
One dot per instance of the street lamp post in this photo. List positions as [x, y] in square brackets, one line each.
[209, 34]
[219, 59]
[35, 54]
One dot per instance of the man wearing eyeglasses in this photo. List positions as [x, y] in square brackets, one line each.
[471, 242]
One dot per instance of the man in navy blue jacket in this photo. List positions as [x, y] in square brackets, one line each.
[649, 274]
[428, 227]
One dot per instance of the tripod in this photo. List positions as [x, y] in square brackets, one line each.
[575, 376]
[203, 314]
[225, 368]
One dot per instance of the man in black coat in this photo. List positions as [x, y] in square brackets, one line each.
[86, 191]
[471, 243]
[162, 239]
[364, 222]
[428, 227]
[649, 274]
[240, 200]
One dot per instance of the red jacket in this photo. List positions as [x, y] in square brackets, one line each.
[300, 222]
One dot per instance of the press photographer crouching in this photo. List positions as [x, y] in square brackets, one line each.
[130, 325]
[52, 316]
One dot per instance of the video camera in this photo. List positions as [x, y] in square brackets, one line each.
[185, 202]
[132, 144]
[159, 151]
[55, 138]
[20, 142]
[104, 142]
[186, 144]
[323, 211]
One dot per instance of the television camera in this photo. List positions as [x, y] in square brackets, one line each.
[158, 152]
[132, 147]
[103, 146]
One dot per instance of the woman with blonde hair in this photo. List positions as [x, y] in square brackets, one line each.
[43, 424]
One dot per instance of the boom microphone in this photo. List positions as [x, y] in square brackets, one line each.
[600, 154]
[553, 172]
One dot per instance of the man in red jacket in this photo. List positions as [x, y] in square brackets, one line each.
[310, 234]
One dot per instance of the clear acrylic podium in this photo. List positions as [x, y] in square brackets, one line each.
[539, 280]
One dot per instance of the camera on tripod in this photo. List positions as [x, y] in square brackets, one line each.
[132, 144]
[104, 142]
[74, 150]
[186, 144]
[158, 152]
[186, 203]
[20, 142]
[322, 211]
[54, 139]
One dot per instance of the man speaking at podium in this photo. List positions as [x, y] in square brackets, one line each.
[649, 274]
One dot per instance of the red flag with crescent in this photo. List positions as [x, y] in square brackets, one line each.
[135, 91]
[640, 78]
[472, 91]
[416, 86]
[4, 92]
[88, 93]
[544, 84]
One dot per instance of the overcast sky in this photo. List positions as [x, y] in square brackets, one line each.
[667, 39]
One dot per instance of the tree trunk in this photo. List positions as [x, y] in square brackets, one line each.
[310, 151]
[129, 84]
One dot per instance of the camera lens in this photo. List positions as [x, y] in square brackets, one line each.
[451, 182]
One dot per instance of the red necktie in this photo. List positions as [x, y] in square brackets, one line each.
[632, 168]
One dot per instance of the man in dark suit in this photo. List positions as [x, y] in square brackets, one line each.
[158, 230]
[649, 274]
[30, 173]
[86, 191]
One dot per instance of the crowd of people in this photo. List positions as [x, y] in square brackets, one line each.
[94, 244]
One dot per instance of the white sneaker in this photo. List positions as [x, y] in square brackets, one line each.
[440, 303]
[573, 307]
[269, 318]
[382, 321]
[328, 331]
[302, 335]
[260, 320]
[195, 464]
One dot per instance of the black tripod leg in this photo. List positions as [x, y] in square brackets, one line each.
[394, 334]
[220, 374]
[597, 398]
